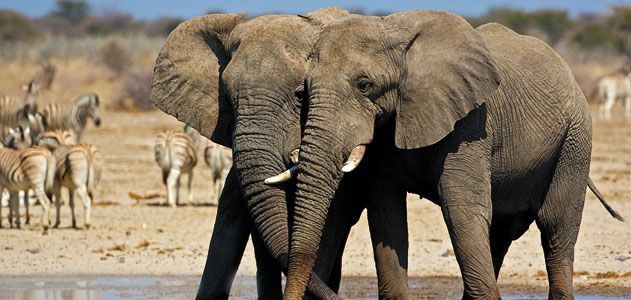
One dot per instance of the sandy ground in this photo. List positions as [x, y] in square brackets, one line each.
[144, 238]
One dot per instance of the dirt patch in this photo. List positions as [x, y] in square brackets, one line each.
[132, 233]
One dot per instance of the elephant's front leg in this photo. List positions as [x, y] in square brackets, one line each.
[230, 236]
[465, 191]
[387, 219]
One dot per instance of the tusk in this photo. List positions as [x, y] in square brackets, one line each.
[354, 159]
[283, 177]
[294, 156]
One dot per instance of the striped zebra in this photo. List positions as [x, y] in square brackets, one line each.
[219, 160]
[612, 87]
[79, 170]
[20, 139]
[15, 111]
[46, 75]
[20, 170]
[176, 154]
[73, 117]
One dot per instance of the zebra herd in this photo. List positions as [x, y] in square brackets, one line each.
[176, 154]
[40, 152]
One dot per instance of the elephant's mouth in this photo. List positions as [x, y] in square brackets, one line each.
[354, 159]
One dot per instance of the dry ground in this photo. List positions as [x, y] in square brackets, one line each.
[142, 238]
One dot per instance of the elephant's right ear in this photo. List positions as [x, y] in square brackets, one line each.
[187, 76]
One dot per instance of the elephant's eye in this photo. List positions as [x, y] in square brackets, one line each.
[364, 86]
[300, 92]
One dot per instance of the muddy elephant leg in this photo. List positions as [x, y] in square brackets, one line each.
[230, 236]
[268, 271]
[559, 218]
[387, 219]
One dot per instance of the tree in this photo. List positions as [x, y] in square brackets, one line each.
[15, 27]
[73, 11]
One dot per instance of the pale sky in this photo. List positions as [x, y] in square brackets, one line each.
[145, 9]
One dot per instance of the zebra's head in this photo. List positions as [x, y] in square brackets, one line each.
[88, 106]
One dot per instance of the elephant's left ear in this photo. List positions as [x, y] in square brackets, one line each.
[449, 72]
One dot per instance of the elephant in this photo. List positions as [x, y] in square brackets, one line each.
[486, 123]
[241, 84]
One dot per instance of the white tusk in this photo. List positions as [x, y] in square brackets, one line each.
[283, 177]
[294, 156]
[354, 159]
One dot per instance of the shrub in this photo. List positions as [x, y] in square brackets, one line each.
[115, 57]
[138, 89]
[595, 36]
[15, 27]
[553, 23]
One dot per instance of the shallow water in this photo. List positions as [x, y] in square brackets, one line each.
[184, 287]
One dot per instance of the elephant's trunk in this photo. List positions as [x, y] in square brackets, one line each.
[319, 175]
[257, 155]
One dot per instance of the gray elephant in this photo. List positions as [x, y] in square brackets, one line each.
[241, 83]
[486, 123]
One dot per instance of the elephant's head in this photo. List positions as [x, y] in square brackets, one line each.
[241, 83]
[427, 70]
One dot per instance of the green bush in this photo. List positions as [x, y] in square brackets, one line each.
[553, 23]
[595, 36]
[15, 27]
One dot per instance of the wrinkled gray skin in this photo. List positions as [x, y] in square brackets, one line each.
[240, 82]
[486, 123]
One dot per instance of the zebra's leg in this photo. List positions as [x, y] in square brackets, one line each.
[172, 180]
[609, 103]
[83, 195]
[71, 194]
[14, 209]
[27, 196]
[190, 185]
[57, 199]
[45, 203]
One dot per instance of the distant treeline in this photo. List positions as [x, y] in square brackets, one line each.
[610, 31]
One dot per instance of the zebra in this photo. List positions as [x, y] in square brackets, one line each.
[219, 160]
[79, 168]
[73, 117]
[15, 111]
[20, 170]
[612, 87]
[176, 153]
[20, 139]
[46, 76]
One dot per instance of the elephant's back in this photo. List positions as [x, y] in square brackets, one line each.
[529, 115]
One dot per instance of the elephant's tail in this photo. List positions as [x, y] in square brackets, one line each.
[600, 197]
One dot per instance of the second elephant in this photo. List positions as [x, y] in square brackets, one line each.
[486, 123]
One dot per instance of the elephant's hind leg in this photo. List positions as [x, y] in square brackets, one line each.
[560, 215]
[504, 230]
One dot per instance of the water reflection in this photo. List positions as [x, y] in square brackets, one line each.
[184, 287]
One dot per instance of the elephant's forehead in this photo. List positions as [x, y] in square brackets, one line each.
[270, 33]
[351, 39]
